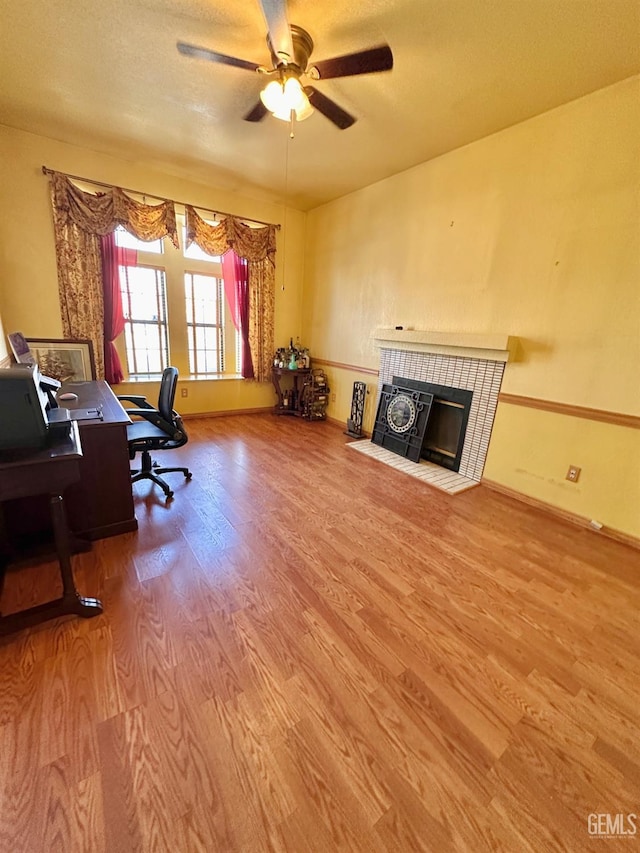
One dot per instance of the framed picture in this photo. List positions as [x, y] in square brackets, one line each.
[66, 361]
[20, 348]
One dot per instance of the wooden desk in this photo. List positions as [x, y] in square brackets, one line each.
[49, 472]
[100, 503]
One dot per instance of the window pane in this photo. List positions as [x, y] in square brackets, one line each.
[128, 241]
[203, 297]
[200, 338]
[143, 291]
[205, 287]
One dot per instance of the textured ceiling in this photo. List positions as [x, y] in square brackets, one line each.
[108, 76]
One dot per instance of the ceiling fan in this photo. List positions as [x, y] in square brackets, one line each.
[288, 94]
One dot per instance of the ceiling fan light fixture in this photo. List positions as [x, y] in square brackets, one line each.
[283, 98]
[294, 97]
[305, 111]
[272, 96]
[283, 113]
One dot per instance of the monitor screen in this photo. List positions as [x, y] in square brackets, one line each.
[20, 348]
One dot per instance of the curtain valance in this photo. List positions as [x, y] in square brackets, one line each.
[100, 213]
[254, 244]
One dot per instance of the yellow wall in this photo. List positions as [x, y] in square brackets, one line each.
[340, 381]
[4, 348]
[531, 451]
[28, 278]
[533, 232]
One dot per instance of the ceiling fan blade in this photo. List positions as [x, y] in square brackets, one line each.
[329, 108]
[257, 113]
[364, 62]
[213, 56]
[275, 13]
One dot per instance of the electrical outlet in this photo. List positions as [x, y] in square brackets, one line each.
[573, 474]
[184, 392]
[333, 398]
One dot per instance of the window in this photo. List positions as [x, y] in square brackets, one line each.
[127, 241]
[175, 311]
[144, 302]
[205, 323]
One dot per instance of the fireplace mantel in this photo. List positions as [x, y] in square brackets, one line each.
[494, 347]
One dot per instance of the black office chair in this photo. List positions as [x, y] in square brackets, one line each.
[160, 429]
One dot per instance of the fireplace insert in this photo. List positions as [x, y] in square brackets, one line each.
[437, 435]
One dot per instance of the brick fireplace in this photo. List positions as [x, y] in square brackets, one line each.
[473, 363]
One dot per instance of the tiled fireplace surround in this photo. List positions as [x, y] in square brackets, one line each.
[471, 362]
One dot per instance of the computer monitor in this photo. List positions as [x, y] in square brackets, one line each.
[20, 348]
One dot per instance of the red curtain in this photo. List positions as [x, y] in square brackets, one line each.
[235, 272]
[112, 257]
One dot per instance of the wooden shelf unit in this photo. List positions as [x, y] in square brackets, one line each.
[289, 393]
[303, 393]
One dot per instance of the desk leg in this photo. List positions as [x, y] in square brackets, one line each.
[4, 550]
[71, 602]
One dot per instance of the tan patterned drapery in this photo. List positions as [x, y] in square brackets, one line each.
[80, 218]
[258, 246]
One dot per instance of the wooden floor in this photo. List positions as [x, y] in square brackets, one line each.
[308, 651]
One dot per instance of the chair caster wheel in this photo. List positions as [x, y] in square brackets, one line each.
[168, 497]
[188, 476]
